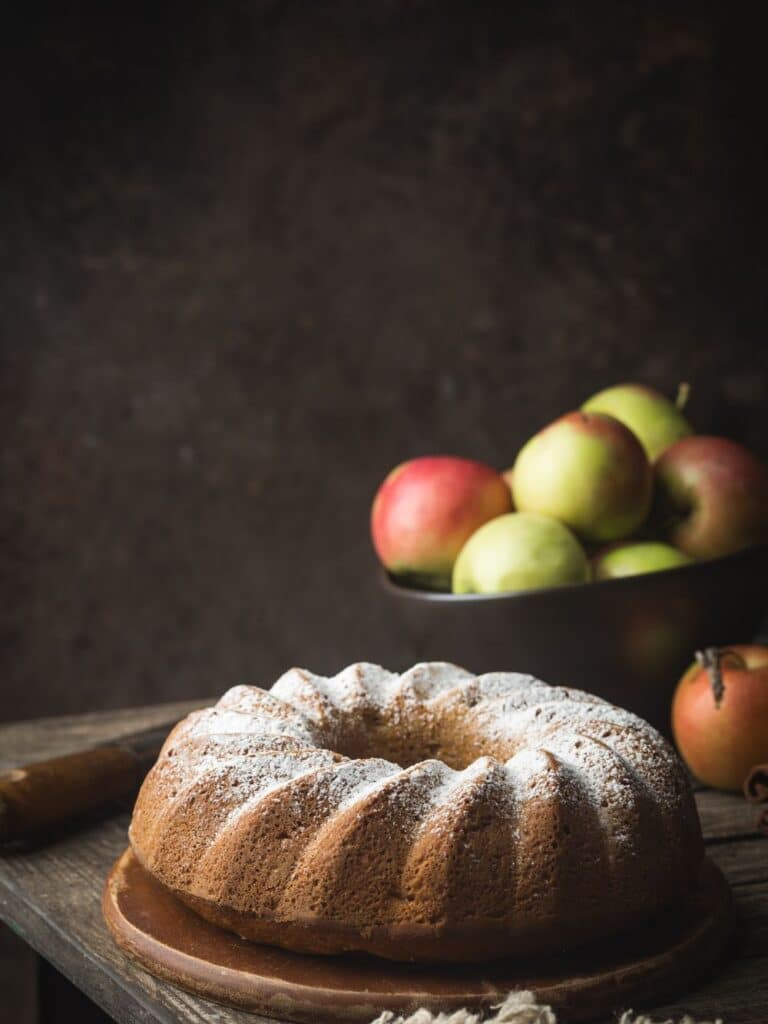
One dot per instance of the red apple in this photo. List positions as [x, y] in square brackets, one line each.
[720, 715]
[427, 508]
[589, 471]
[711, 496]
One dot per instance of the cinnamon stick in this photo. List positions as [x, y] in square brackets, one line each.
[756, 792]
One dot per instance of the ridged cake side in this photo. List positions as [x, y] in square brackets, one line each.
[528, 818]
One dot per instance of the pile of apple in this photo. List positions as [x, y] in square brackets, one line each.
[620, 487]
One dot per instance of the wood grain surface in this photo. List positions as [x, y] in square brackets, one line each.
[51, 896]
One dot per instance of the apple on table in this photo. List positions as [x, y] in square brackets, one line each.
[720, 714]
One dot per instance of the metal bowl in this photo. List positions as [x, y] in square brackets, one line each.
[627, 640]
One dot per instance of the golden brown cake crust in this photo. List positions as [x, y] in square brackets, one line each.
[499, 817]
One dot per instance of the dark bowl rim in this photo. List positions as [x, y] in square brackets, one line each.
[411, 593]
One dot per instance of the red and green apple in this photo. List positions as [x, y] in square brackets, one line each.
[589, 471]
[652, 417]
[720, 714]
[711, 497]
[427, 508]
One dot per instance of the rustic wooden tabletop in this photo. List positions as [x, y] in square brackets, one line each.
[51, 896]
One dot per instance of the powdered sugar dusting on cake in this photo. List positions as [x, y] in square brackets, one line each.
[427, 680]
[406, 790]
[223, 721]
[516, 714]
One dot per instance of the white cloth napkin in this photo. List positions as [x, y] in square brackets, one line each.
[517, 1008]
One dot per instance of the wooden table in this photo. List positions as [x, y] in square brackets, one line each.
[50, 897]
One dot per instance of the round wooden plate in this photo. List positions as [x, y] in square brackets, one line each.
[171, 941]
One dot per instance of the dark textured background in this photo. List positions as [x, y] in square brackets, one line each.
[252, 257]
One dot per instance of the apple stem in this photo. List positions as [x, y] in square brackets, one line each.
[683, 392]
[709, 659]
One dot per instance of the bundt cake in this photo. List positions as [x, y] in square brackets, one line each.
[432, 816]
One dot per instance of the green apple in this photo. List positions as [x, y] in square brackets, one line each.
[651, 416]
[635, 558]
[519, 552]
[590, 472]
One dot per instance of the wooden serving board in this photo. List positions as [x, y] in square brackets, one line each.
[171, 941]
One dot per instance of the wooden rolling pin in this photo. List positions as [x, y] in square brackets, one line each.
[38, 797]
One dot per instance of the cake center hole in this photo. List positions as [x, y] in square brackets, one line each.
[407, 743]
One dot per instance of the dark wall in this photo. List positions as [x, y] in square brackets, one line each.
[253, 257]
